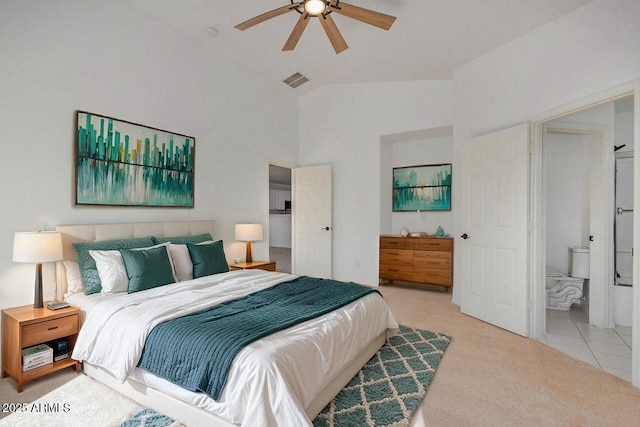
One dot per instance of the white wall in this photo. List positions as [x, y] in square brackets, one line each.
[279, 230]
[624, 130]
[569, 164]
[343, 125]
[589, 50]
[567, 160]
[107, 58]
[582, 53]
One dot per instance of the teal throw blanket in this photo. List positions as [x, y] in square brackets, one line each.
[196, 351]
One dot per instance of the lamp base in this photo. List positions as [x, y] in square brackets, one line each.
[37, 299]
[248, 254]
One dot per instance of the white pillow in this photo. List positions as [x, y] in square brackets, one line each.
[113, 272]
[74, 280]
[182, 260]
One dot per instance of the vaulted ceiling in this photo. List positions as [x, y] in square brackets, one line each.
[429, 39]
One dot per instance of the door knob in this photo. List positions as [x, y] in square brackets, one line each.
[465, 236]
[326, 228]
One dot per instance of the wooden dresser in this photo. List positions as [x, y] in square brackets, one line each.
[417, 260]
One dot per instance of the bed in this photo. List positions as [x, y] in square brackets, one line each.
[285, 378]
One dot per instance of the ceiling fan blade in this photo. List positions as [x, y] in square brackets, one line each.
[333, 33]
[297, 32]
[268, 15]
[368, 16]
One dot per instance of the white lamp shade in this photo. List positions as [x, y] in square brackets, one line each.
[37, 247]
[249, 232]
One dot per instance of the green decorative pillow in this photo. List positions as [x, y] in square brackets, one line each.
[88, 269]
[183, 240]
[147, 269]
[208, 259]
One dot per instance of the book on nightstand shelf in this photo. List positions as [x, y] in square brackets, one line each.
[61, 356]
[36, 356]
[60, 349]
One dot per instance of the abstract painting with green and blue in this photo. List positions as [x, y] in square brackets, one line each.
[126, 164]
[422, 188]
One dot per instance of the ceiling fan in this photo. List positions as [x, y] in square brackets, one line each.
[322, 9]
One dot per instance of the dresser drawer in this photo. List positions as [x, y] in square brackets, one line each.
[396, 256]
[395, 272]
[36, 333]
[435, 277]
[432, 259]
[435, 244]
[397, 243]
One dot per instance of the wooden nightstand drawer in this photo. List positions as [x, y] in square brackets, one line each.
[40, 332]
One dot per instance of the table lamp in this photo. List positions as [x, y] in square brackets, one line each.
[249, 233]
[37, 247]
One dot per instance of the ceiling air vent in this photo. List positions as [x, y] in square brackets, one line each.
[295, 80]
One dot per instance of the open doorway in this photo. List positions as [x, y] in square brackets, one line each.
[580, 198]
[280, 217]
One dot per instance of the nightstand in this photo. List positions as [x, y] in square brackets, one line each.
[26, 326]
[262, 265]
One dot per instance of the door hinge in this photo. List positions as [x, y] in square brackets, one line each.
[530, 227]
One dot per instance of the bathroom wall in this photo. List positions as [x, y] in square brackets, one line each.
[567, 159]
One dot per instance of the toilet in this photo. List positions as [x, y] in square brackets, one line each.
[563, 290]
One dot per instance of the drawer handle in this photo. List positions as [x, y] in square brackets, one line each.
[52, 328]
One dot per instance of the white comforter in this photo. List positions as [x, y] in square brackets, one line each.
[271, 381]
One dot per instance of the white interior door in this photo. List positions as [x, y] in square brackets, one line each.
[495, 192]
[312, 221]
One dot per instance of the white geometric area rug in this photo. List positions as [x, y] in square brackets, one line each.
[85, 402]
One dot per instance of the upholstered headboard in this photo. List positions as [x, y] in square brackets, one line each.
[92, 232]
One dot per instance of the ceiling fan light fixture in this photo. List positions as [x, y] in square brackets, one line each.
[324, 8]
[315, 7]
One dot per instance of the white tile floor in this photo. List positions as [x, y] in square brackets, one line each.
[608, 349]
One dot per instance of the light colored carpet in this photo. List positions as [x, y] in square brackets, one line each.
[83, 402]
[489, 377]
[33, 389]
